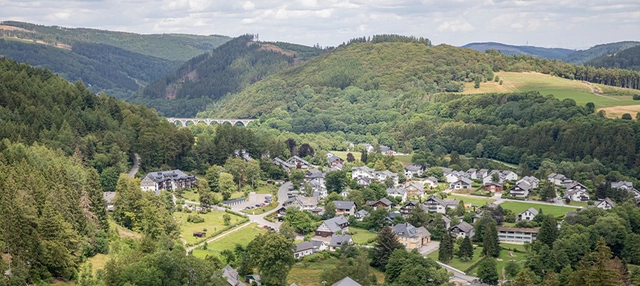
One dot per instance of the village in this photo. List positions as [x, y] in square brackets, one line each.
[417, 204]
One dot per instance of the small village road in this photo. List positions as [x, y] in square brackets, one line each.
[136, 165]
[282, 197]
[458, 275]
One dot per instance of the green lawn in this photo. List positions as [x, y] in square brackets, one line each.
[212, 222]
[502, 260]
[362, 235]
[242, 237]
[190, 195]
[518, 207]
[473, 201]
[457, 263]
[308, 273]
[98, 261]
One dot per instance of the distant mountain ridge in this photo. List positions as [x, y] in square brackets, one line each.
[566, 55]
[626, 59]
[547, 53]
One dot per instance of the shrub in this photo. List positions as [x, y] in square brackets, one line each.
[195, 219]
[636, 97]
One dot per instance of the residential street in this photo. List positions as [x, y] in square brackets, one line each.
[282, 197]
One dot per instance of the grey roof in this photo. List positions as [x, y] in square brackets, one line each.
[532, 210]
[317, 243]
[385, 201]
[363, 168]
[433, 179]
[362, 213]
[305, 245]
[394, 214]
[108, 196]
[316, 175]
[346, 282]
[384, 148]
[396, 191]
[408, 230]
[171, 175]
[299, 159]
[414, 167]
[524, 185]
[334, 223]
[622, 185]
[465, 180]
[344, 205]
[232, 276]
[464, 226]
[339, 239]
[608, 201]
[334, 158]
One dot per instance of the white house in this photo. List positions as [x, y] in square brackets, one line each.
[509, 175]
[606, 204]
[528, 214]
[517, 235]
[413, 170]
[345, 207]
[472, 173]
[576, 192]
[431, 182]
[383, 175]
[397, 192]
[558, 179]
[462, 184]
[521, 189]
[455, 176]
[462, 230]
[331, 226]
[628, 186]
[532, 181]
[167, 180]
[435, 205]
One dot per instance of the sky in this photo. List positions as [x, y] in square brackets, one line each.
[574, 24]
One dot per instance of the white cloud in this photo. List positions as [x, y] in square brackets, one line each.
[567, 23]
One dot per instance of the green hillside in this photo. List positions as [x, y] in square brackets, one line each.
[547, 53]
[626, 59]
[230, 68]
[173, 47]
[101, 67]
[581, 57]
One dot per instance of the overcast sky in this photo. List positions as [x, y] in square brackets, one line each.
[572, 24]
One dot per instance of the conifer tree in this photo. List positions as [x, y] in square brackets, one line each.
[386, 243]
[98, 204]
[466, 249]
[549, 231]
[445, 253]
[490, 241]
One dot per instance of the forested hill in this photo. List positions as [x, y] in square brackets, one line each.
[581, 57]
[389, 66]
[38, 106]
[547, 53]
[101, 67]
[173, 47]
[228, 69]
[566, 55]
[627, 59]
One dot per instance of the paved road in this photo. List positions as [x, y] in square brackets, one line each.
[282, 197]
[136, 165]
[457, 274]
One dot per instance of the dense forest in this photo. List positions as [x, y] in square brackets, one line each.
[627, 59]
[581, 57]
[172, 47]
[38, 106]
[228, 69]
[103, 68]
[547, 53]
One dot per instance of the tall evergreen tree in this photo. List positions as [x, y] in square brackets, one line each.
[364, 157]
[386, 243]
[445, 253]
[490, 241]
[98, 204]
[548, 231]
[466, 249]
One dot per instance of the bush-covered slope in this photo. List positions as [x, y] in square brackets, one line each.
[38, 106]
[103, 68]
[626, 59]
[173, 47]
[228, 69]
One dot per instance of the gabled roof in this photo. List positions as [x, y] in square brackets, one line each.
[302, 246]
[622, 185]
[493, 183]
[608, 201]
[108, 196]
[334, 223]
[362, 213]
[334, 158]
[344, 205]
[464, 226]
[363, 168]
[346, 282]
[232, 276]
[408, 230]
[432, 179]
[414, 167]
[464, 181]
[339, 239]
[317, 243]
[170, 175]
[396, 191]
[523, 185]
[531, 210]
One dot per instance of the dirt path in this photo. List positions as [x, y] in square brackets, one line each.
[136, 165]
[596, 91]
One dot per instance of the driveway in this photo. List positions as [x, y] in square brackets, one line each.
[282, 197]
[429, 247]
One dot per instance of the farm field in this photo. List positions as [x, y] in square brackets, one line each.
[242, 237]
[518, 207]
[561, 88]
